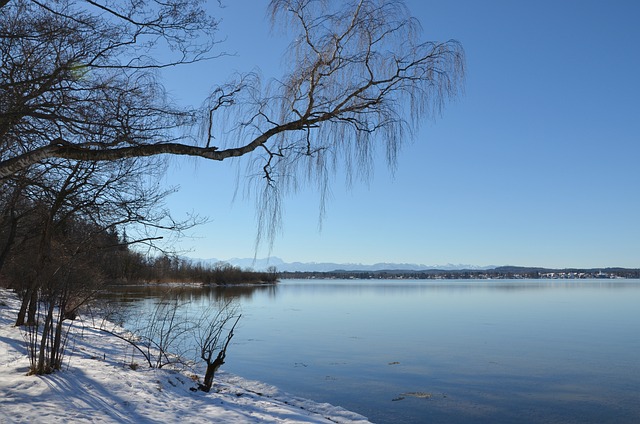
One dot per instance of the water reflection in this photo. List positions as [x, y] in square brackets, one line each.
[186, 293]
[402, 287]
[485, 351]
[126, 304]
[134, 293]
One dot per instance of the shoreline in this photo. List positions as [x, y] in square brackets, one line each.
[99, 384]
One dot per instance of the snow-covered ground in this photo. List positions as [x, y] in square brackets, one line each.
[97, 385]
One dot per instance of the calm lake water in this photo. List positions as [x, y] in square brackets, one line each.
[450, 351]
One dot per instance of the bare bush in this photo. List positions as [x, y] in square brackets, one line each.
[213, 335]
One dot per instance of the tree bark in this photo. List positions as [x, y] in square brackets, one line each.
[66, 150]
[11, 236]
[43, 365]
[212, 368]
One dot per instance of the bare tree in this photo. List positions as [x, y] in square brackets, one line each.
[106, 195]
[172, 332]
[78, 82]
[162, 336]
[167, 331]
[77, 206]
[214, 333]
[14, 210]
[72, 279]
[78, 77]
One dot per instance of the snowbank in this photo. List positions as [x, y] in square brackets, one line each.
[98, 386]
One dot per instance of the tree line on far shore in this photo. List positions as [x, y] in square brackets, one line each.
[171, 269]
[506, 272]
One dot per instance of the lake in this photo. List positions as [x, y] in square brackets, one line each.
[444, 351]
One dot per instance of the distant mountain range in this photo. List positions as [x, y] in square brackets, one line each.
[263, 264]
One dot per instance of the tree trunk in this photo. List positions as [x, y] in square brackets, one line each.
[33, 307]
[11, 236]
[29, 303]
[56, 346]
[44, 363]
[24, 304]
[212, 367]
[211, 370]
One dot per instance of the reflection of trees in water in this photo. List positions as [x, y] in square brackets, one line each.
[119, 303]
[128, 294]
[216, 293]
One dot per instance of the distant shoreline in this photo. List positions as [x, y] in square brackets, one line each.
[507, 272]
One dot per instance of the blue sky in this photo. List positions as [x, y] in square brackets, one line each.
[536, 164]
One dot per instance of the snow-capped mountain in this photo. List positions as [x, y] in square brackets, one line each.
[281, 265]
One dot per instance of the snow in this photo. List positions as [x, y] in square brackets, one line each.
[98, 385]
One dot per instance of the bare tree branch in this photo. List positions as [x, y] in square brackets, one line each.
[78, 82]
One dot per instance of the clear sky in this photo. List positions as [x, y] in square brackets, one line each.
[536, 164]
